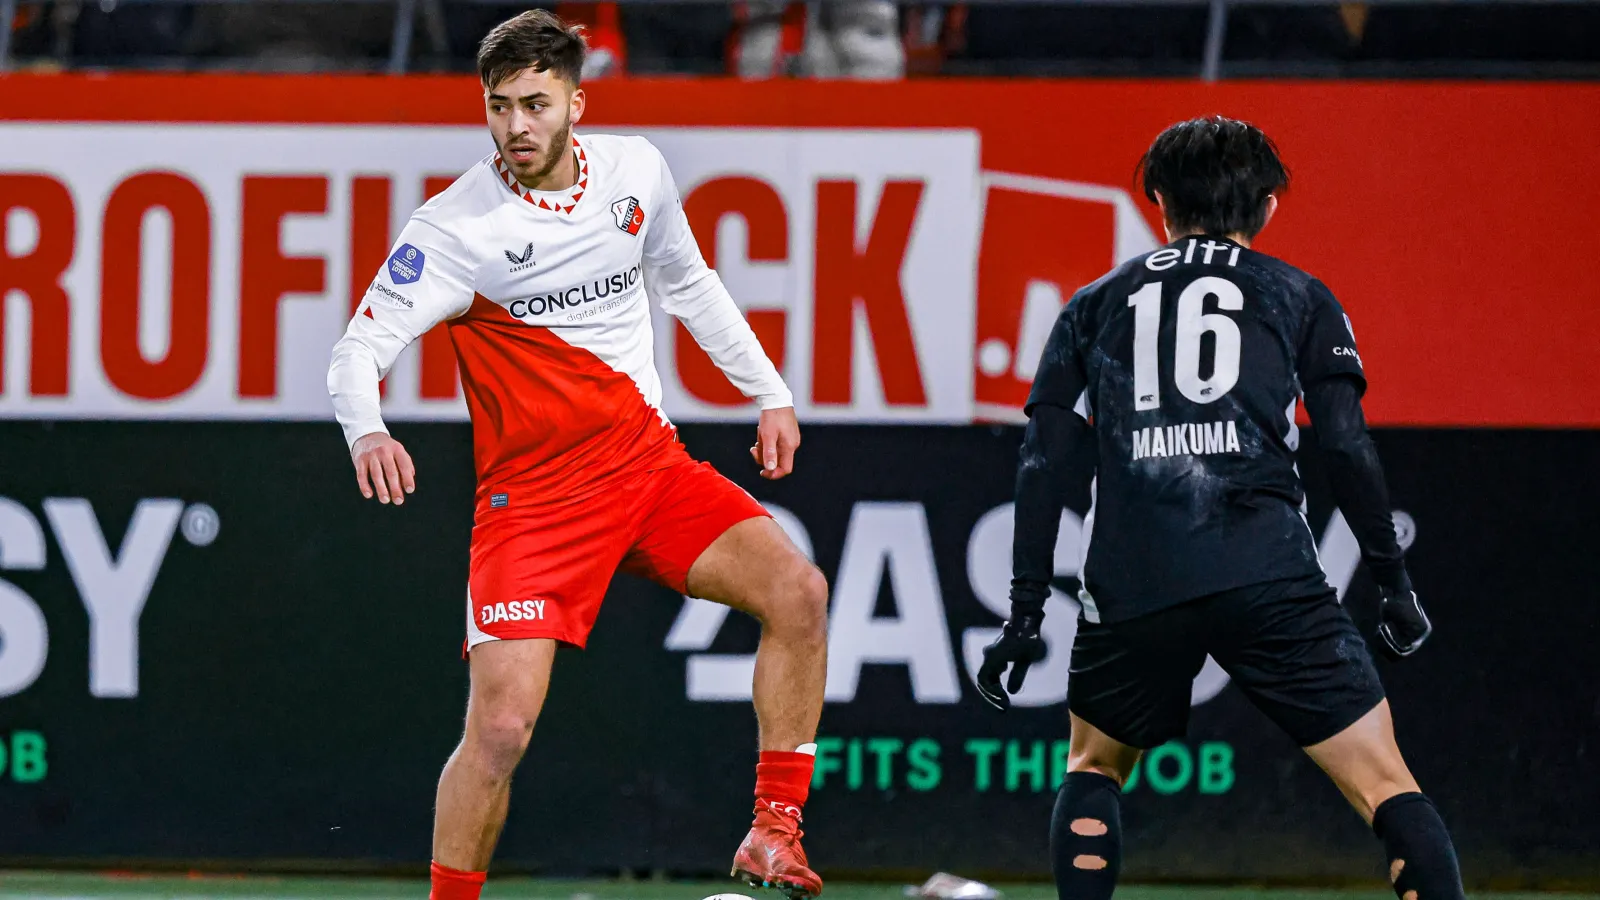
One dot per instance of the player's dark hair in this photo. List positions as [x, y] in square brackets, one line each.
[1215, 175]
[537, 40]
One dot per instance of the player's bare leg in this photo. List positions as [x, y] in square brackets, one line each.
[755, 568]
[509, 683]
[1092, 750]
[1086, 826]
[1365, 762]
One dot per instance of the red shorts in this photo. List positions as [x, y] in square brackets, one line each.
[541, 572]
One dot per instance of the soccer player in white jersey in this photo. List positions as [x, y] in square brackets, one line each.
[543, 258]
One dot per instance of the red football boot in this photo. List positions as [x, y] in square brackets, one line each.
[771, 855]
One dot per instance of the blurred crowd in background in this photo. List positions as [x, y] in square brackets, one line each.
[874, 39]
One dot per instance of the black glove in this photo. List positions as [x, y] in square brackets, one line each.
[1403, 625]
[1018, 646]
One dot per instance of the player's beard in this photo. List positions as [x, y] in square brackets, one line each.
[540, 169]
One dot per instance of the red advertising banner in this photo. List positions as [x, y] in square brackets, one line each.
[187, 246]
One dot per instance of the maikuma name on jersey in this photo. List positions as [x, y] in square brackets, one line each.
[1196, 439]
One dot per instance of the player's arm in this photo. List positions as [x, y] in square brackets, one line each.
[678, 277]
[1356, 475]
[426, 279]
[1058, 456]
[1332, 382]
[1057, 459]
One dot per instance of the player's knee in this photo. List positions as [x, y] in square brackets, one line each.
[1108, 768]
[812, 591]
[1370, 792]
[1370, 775]
[806, 604]
[794, 601]
[501, 737]
[1102, 757]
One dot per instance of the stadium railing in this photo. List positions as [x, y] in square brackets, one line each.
[431, 12]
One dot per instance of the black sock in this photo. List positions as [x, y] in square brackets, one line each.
[1086, 836]
[1422, 861]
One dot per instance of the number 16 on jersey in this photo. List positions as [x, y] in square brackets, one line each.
[1191, 325]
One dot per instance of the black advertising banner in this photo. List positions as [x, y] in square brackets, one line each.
[212, 649]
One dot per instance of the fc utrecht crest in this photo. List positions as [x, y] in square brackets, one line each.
[630, 215]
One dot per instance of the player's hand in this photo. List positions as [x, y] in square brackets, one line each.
[1403, 626]
[1018, 646]
[777, 437]
[383, 467]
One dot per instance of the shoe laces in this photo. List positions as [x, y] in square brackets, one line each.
[778, 817]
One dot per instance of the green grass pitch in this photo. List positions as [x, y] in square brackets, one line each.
[57, 886]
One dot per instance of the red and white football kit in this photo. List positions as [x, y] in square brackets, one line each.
[580, 472]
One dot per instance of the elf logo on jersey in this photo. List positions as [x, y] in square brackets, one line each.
[630, 215]
[405, 265]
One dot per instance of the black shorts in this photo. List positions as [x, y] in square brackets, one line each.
[1289, 646]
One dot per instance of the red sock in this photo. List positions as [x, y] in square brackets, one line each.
[784, 778]
[454, 884]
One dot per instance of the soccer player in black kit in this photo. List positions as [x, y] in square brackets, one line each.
[1172, 382]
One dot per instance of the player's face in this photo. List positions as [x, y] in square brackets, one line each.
[531, 115]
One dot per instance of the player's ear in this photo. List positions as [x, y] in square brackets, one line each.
[1166, 223]
[1272, 207]
[579, 102]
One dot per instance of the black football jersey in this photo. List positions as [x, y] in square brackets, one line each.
[1188, 363]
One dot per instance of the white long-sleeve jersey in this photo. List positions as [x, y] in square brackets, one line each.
[546, 298]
